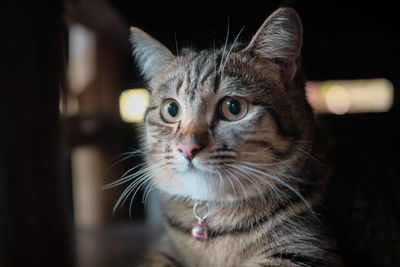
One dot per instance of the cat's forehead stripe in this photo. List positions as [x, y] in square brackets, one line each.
[197, 69]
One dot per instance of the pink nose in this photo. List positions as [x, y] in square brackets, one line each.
[188, 149]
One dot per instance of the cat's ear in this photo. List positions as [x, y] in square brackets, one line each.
[150, 54]
[279, 38]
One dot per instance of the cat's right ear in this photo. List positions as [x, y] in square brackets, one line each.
[280, 38]
[149, 53]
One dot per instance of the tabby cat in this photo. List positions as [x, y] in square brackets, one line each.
[231, 143]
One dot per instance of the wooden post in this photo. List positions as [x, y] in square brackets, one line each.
[35, 224]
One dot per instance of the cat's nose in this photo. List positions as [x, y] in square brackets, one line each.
[191, 139]
[190, 143]
[189, 150]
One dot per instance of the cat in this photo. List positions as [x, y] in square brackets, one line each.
[232, 145]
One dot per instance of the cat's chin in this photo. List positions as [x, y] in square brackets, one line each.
[198, 181]
[197, 185]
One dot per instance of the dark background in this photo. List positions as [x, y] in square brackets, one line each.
[342, 40]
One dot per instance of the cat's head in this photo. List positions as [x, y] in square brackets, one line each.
[231, 123]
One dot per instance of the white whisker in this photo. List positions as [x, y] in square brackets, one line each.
[230, 49]
[254, 152]
[255, 164]
[124, 178]
[147, 177]
[262, 181]
[229, 180]
[308, 154]
[281, 182]
[176, 45]
[214, 56]
[226, 41]
[248, 178]
[151, 184]
[141, 177]
[123, 157]
[238, 182]
[131, 154]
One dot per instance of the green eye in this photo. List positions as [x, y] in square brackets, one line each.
[171, 111]
[233, 108]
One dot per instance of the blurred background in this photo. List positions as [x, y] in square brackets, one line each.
[72, 103]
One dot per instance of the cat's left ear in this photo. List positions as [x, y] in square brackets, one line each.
[280, 39]
[150, 54]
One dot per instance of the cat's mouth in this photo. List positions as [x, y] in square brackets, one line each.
[194, 166]
[191, 166]
[188, 166]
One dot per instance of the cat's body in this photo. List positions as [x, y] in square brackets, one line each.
[251, 235]
[231, 130]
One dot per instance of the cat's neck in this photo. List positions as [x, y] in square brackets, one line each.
[179, 209]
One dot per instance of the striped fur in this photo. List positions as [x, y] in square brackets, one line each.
[262, 176]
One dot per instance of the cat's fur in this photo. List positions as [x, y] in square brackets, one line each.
[262, 176]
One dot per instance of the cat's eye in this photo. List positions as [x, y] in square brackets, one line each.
[171, 111]
[233, 108]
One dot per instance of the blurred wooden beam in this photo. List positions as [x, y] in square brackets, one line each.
[35, 223]
[100, 17]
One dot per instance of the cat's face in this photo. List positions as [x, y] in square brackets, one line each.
[226, 124]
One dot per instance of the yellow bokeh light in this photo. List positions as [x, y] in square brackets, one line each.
[350, 96]
[133, 104]
[338, 99]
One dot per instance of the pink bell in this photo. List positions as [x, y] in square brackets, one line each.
[200, 231]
